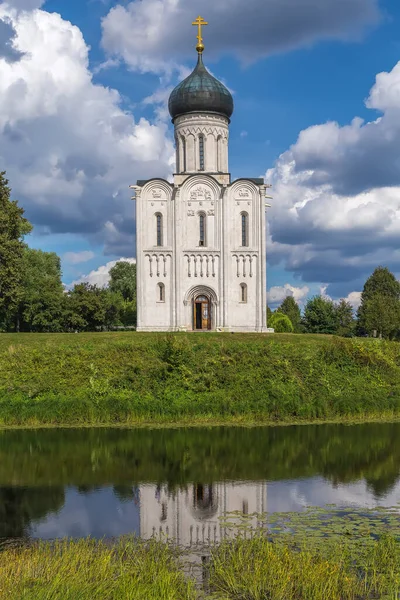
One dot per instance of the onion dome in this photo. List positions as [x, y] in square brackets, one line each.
[200, 92]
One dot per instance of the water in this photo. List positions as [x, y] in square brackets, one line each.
[182, 482]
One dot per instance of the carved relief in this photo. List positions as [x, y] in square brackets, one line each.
[211, 213]
[156, 193]
[243, 193]
[200, 193]
[190, 213]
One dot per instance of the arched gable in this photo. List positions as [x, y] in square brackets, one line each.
[157, 189]
[198, 290]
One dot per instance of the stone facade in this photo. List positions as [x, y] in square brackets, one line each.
[201, 256]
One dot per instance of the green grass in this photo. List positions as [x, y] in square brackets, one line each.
[131, 378]
[238, 569]
[319, 554]
[257, 569]
[93, 570]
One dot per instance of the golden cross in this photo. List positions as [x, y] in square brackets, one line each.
[199, 22]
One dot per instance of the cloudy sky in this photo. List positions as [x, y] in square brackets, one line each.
[83, 91]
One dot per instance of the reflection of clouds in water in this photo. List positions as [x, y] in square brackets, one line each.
[97, 513]
[296, 495]
[101, 513]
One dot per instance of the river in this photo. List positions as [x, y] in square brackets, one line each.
[182, 482]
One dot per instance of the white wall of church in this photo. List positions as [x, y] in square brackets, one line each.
[192, 240]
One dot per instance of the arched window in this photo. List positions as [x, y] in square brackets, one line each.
[159, 220]
[160, 292]
[243, 292]
[201, 152]
[219, 153]
[202, 229]
[177, 154]
[183, 154]
[245, 228]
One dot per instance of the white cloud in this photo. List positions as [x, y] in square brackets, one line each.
[354, 298]
[336, 207]
[69, 149]
[153, 35]
[100, 276]
[244, 134]
[278, 293]
[75, 258]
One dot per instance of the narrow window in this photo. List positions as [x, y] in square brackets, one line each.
[245, 229]
[243, 292]
[177, 157]
[245, 507]
[159, 229]
[201, 152]
[183, 155]
[219, 154]
[202, 229]
[161, 292]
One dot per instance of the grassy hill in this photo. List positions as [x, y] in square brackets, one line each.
[128, 378]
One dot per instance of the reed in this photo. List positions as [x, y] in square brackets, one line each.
[238, 569]
[93, 570]
[257, 569]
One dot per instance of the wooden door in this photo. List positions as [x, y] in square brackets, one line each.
[205, 314]
[202, 313]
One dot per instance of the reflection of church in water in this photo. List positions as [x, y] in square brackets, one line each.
[197, 514]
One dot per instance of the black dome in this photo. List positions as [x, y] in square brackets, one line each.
[200, 92]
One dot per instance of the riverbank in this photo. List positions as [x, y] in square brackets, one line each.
[153, 379]
[253, 568]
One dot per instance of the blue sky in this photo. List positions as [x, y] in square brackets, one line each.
[76, 133]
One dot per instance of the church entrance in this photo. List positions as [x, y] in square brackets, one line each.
[202, 313]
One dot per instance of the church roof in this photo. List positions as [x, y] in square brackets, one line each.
[200, 92]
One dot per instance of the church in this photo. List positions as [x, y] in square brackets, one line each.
[200, 240]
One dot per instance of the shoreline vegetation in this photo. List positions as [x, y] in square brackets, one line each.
[319, 554]
[129, 378]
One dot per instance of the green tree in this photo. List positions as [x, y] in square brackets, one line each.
[382, 315]
[42, 303]
[345, 319]
[269, 314]
[281, 323]
[123, 282]
[13, 227]
[89, 307]
[320, 316]
[383, 285]
[290, 308]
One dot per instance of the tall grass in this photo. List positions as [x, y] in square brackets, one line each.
[257, 569]
[127, 378]
[93, 570]
[240, 569]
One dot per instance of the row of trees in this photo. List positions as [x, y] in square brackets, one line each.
[378, 314]
[44, 304]
[32, 296]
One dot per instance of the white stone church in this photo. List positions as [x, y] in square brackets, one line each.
[200, 241]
